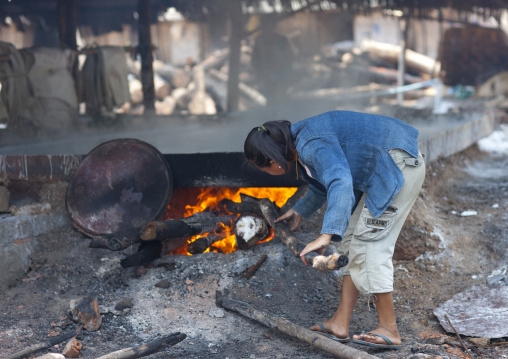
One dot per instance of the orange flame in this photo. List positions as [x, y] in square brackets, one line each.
[187, 201]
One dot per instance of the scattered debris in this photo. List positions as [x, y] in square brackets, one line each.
[480, 342]
[72, 348]
[250, 272]
[498, 276]
[85, 311]
[468, 213]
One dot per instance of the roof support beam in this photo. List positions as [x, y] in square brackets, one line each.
[67, 23]
[145, 51]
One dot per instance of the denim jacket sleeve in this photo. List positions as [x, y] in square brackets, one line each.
[311, 202]
[327, 163]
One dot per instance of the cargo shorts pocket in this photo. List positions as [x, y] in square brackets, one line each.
[370, 228]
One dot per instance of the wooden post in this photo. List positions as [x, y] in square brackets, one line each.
[67, 28]
[235, 37]
[67, 23]
[145, 51]
[403, 24]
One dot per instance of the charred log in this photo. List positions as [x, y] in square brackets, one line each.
[242, 207]
[43, 345]
[147, 252]
[117, 241]
[147, 348]
[186, 227]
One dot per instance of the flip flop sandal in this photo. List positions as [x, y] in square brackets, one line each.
[389, 344]
[331, 336]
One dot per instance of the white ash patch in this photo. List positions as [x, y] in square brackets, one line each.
[188, 305]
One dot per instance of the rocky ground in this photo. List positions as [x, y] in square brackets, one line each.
[439, 254]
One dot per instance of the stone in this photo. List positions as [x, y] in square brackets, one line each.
[480, 311]
[163, 284]
[124, 304]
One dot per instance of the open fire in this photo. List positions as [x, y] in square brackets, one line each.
[188, 201]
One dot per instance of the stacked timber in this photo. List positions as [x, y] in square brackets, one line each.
[196, 89]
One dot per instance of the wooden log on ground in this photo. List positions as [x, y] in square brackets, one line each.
[146, 349]
[198, 223]
[293, 330]
[117, 241]
[43, 345]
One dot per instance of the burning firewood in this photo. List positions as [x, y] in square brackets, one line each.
[198, 223]
[311, 337]
[250, 229]
[242, 207]
[147, 348]
[203, 243]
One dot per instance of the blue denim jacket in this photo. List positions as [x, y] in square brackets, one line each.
[347, 151]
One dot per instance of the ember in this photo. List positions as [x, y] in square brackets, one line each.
[188, 201]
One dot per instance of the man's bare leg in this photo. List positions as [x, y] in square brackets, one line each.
[387, 322]
[338, 325]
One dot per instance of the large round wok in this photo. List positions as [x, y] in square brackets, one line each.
[119, 185]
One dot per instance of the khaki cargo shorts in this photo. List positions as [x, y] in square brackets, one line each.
[369, 242]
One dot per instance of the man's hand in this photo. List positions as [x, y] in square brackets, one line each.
[293, 219]
[319, 246]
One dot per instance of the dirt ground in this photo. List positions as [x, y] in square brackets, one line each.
[439, 254]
